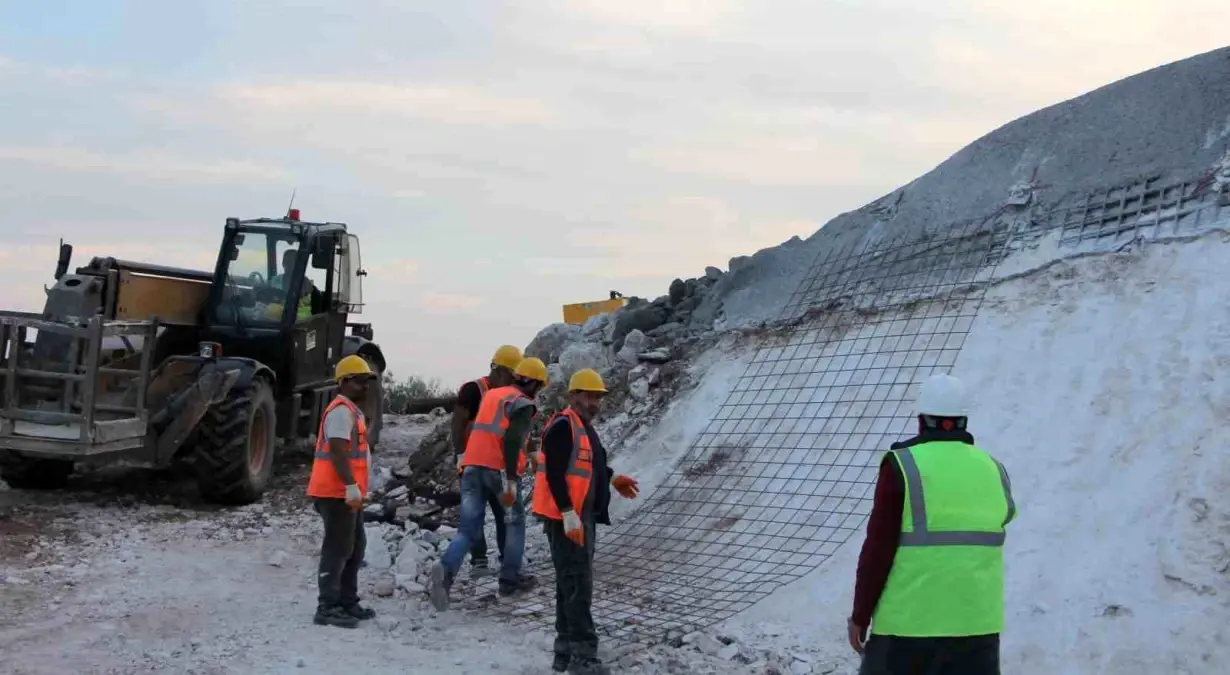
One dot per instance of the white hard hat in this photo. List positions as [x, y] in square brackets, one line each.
[942, 395]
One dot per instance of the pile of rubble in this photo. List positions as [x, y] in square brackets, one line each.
[641, 350]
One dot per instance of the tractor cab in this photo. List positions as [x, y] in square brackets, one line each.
[281, 294]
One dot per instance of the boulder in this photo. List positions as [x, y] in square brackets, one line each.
[638, 389]
[580, 355]
[713, 273]
[634, 342]
[596, 326]
[409, 559]
[376, 555]
[644, 318]
[678, 291]
[550, 342]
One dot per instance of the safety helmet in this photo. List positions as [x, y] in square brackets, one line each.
[531, 369]
[586, 379]
[507, 356]
[942, 395]
[352, 366]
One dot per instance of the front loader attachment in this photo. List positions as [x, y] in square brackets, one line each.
[73, 403]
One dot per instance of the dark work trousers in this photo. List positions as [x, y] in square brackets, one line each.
[341, 553]
[892, 655]
[479, 550]
[574, 589]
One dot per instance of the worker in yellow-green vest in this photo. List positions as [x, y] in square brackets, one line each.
[929, 590]
[280, 281]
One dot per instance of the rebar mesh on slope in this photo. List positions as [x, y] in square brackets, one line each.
[783, 473]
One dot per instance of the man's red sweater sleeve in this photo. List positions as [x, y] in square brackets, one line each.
[880, 548]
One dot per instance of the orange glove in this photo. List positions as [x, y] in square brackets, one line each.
[626, 486]
[573, 528]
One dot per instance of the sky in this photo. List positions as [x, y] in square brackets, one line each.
[501, 159]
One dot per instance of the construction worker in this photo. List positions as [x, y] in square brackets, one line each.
[930, 580]
[338, 486]
[282, 282]
[469, 397]
[494, 458]
[571, 495]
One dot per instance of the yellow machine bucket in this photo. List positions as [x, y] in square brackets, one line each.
[580, 312]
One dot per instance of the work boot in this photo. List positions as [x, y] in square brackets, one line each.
[334, 616]
[439, 585]
[525, 582]
[560, 663]
[359, 612]
[479, 568]
[588, 665]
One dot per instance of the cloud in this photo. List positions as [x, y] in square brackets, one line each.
[677, 236]
[448, 302]
[691, 17]
[151, 165]
[73, 76]
[450, 104]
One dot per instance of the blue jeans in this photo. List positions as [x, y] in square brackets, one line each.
[477, 483]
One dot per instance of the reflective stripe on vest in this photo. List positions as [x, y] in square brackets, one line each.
[947, 575]
[578, 476]
[324, 481]
[920, 535]
[485, 445]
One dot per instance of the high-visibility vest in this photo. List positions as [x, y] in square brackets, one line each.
[947, 578]
[324, 481]
[485, 445]
[580, 468]
[483, 386]
[304, 309]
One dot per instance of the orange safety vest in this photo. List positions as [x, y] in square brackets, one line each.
[325, 482]
[580, 469]
[485, 446]
[483, 386]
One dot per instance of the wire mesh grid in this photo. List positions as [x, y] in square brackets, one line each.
[783, 473]
[1147, 208]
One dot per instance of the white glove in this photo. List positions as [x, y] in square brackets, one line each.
[459, 460]
[353, 493]
[572, 527]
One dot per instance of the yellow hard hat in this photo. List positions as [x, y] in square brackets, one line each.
[587, 379]
[273, 311]
[533, 369]
[352, 366]
[507, 356]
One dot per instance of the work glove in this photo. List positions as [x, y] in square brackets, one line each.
[573, 528]
[509, 496]
[626, 486]
[354, 497]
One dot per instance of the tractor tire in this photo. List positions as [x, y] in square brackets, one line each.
[235, 447]
[36, 474]
[375, 406]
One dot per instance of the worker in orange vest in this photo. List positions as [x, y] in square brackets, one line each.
[571, 496]
[469, 397]
[494, 459]
[338, 487]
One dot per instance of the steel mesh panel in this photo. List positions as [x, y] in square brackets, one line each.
[783, 473]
